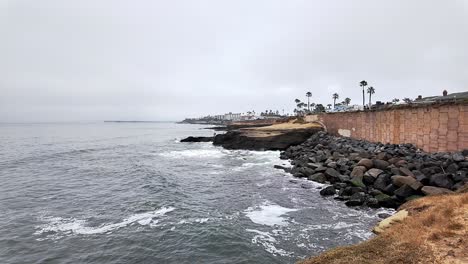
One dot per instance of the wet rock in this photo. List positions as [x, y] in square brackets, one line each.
[383, 215]
[327, 191]
[306, 186]
[373, 203]
[197, 139]
[356, 199]
[318, 177]
[279, 167]
[387, 201]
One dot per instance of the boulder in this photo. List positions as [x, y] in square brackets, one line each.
[380, 164]
[387, 201]
[404, 191]
[332, 173]
[279, 167]
[431, 190]
[348, 191]
[314, 165]
[327, 191]
[382, 181]
[395, 171]
[374, 172]
[373, 203]
[452, 168]
[366, 163]
[422, 179]
[321, 169]
[368, 180]
[356, 199]
[393, 160]
[458, 157]
[390, 189]
[318, 177]
[401, 163]
[399, 181]
[358, 171]
[406, 172]
[197, 139]
[441, 180]
[459, 176]
[357, 181]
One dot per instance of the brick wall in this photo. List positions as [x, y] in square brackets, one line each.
[433, 128]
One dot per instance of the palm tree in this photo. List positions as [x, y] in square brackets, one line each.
[335, 97]
[363, 84]
[312, 105]
[370, 91]
[347, 100]
[407, 100]
[309, 95]
[329, 106]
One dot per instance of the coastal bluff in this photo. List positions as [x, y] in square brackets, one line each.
[262, 137]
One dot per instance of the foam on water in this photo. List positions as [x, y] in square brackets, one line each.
[268, 214]
[192, 153]
[57, 227]
[268, 242]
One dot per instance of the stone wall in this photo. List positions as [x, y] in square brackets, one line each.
[433, 128]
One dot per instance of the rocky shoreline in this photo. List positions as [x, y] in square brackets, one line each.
[358, 172]
[375, 174]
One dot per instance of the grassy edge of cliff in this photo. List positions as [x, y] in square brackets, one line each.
[435, 231]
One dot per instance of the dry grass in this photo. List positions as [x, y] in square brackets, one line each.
[436, 231]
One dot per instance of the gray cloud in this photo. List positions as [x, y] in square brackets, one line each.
[163, 60]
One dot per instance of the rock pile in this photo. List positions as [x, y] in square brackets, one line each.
[375, 174]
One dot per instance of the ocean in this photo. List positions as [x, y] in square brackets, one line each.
[132, 193]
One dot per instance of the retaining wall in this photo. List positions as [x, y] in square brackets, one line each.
[433, 128]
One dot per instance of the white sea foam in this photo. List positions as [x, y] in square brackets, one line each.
[195, 220]
[56, 227]
[268, 214]
[268, 242]
[192, 153]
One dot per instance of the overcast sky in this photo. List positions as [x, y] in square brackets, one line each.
[90, 60]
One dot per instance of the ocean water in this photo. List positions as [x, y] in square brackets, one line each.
[132, 193]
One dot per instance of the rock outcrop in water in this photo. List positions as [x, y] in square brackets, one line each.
[375, 174]
[280, 141]
[197, 139]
